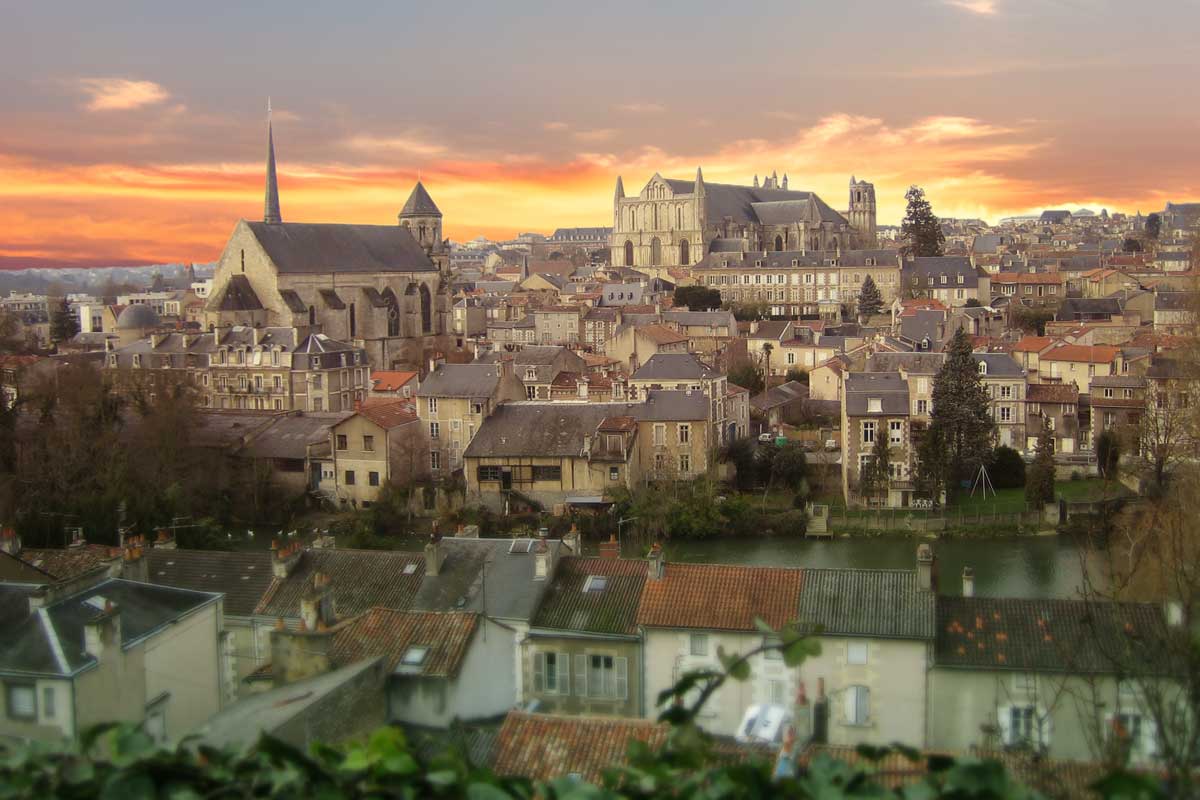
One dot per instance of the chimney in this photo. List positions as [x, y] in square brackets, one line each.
[103, 632]
[587, 445]
[543, 559]
[10, 541]
[968, 589]
[285, 559]
[316, 604]
[164, 541]
[611, 548]
[926, 580]
[299, 654]
[135, 566]
[573, 541]
[657, 562]
[581, 386]
[433, 556]
[504, 366]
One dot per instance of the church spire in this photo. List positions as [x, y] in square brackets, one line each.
[699, 189]
[271, 203]
[620, 194]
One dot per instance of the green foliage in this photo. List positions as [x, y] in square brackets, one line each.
[1007, 468]
[697, 298]
[789, 466]
[921, 230]
[749, 376]
[1039, 486]
[1153, 225]
[1108, 454]
[972, 302]
[1031, 320]
[741, 453]
[64, 324]
[961, 432]
[796, 374]
[1131, 246]
[744, 312]
[870, 301]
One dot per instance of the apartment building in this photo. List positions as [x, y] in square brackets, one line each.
[453, 402]
[877, 404]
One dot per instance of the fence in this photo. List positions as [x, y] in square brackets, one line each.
[905, 520]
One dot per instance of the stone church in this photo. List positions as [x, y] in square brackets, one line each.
[677, 222]
[381, 287]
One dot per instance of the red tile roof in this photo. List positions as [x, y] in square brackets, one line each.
[385, 381]
[1052, 393]
[720, 597]
[1033, 344]
[390, 633]
[64, 564]
[1092, 354]
[389, 415]
[661, 334]
[543, 747]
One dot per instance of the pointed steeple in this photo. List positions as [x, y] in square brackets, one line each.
[620, 194]
[785, 181]
[756, 180]
[699, 181]
[420, 204]
[271, 214]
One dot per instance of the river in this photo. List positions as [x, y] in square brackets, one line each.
[1027, 566]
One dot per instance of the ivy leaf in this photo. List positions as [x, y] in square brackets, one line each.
[763, 626]
[797, 650]
[486, 791]
[128, 786]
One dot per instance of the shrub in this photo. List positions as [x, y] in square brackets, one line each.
[1076, 475]
[1007, 469]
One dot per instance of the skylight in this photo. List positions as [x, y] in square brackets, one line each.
[409, 569]
[415, 656]
[520, 546]
[595, 583]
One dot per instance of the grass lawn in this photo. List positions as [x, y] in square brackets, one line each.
[1003, 501]
[1090, 489]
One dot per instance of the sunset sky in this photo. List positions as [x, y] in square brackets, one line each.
[134, 133]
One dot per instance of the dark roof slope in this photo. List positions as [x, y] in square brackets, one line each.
[420, 204]
[389, 633]
[867, 602]
[309, 247]
[242, 576]
[573, 603]
[359, 580]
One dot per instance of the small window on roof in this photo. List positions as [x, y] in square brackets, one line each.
[595, 583]
[520, 546]
[409, 569]
[874, 405]
[414, 656]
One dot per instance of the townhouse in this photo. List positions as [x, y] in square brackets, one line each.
[877, 404]
[381, 444]
[1005, 383]
[1077, 364]
[1118, 402]
[455, 399]
[951, 280]
[537, 366]
[729, 406]
[1055, 405]
[1034, 289]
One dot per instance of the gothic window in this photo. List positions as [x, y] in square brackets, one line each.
[655, 252]
[393, 312]
[426, 310]
[632, 219]
[684, 255]
[679, 219]
[628, 253]
[421, 228]
[312, 315]
[656, 217]
[353, 322]
[778, 243]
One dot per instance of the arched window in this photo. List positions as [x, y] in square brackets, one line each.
[353, 322]
[835, 243]
[655, 252]
[632, 219]
[426, 310]
[628, 253]
[393, 312]
[312, 316]
[778, 244]
[684, 254]
[655, 217]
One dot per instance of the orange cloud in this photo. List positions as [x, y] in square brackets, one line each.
[121, 94]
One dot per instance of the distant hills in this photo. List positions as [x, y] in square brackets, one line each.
[94, 279]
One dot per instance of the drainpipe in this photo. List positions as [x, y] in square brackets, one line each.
[642, 671]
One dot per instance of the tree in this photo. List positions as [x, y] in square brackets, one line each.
[1131, 245]
[1108, 454]
[789, 466]
[1007, 469]
[1039, 485]
[921, 230]
[697, 298]
[960, 422]
[767, 348]
[1153, 225]
[796, 374]
[972, 302]
[1031, 320]
[741, 453]
[870, 301]
[1169, 426]
[64, 324]
[874, 474]
[748, 376]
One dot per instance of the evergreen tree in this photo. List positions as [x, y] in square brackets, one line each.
[1108, 454]
[1153, 226]
[961, 432]
[921, 229]
[1039, 485]
[870, 301]
[749, 376]
[63, 323]
[873, 477]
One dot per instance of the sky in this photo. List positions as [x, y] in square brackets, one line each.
[135, 133]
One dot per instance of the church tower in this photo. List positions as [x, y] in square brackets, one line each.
[862, 212]
[423, 218]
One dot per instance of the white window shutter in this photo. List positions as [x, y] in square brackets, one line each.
[539, 672]
[564, 677]
[1046, 727]
[848, 703]
[1004, 723]
[581, 675]
[622, 665]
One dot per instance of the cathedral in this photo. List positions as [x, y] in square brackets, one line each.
[677, 222]
[381, 287]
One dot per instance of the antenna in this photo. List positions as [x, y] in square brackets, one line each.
[268, 108]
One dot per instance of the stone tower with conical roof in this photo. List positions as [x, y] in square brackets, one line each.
[862, 211]
[424, 219]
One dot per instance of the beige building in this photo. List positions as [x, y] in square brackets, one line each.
[677, 222]
[274, 369]
[557, 325]
[877, 404]
[634, 345]
[382, 444]
[453, 402]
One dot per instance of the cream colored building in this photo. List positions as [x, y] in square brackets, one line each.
[382, 444]
[453, 402]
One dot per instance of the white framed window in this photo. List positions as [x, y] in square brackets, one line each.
[922, 406]
[1024, 725]
[895, 432]
[435, 430]
[874, 405]
[660, 434]
[21, 701]
[432, 405]
[1005, 414]
[856, 701]
[435, 460]
[698, 644]
[685, 433]
[856, 653]
[552, 673]
[868, 432]
[776, 692]
[685, 463]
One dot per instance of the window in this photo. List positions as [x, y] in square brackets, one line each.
[414, 656]
[685, 433]
[552, 673]
[614, 473]
[874, 405]
[432, 405]
[1005, 414]
[895, 432]
[983, 368]
[856, 653]
[857, 701]
[922, 406]
[868, 432]
[317, 404]
[349, 481]
[660, 434]
[1022, 725]
[342, 442]
[685, 462]
[476, 407]
[602, 676]
[373, 478]
[435, 460]
[1006, 392]
[531, 393]
[48, 701]
[278, 382]
[22, 701]
[544, 473]
[698, 644]
[595, 583]
[435, 430]
[316, 381]
[488, 473]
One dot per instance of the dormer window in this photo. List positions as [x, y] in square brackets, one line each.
[943, 280]
[531, 374]
[961, 280]
[137, 360]
[874, 405]
[595, 583]
[983, 368]
[415, 656]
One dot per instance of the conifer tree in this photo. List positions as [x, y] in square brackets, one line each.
[921, 229]
[63, 323]
[961, 431]
[873, 477]
[1039, 485]
[870, 301]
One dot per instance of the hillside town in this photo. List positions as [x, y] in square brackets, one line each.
[365, 475]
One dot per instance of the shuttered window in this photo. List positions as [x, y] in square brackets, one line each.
[552, 673]
[22, 702]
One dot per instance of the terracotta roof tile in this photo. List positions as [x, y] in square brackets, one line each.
[64, 564]
[390, 381]
[1052, 393]
[389, 415]
[390, 633]
[661, 334]
[720, 597]
[1094, 354]
[1033, 344]
[570, 605]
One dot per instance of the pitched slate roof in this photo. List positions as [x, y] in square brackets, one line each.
[314, 248]
[460, 380]
[782, 394]
[360, 580]
[889, 387]
[674, 366]
[419, 203]
[1049, 635]
[751, 204]
[999, 365]
[720, 597]
[66, 563]
[867, 602]
[242, 576]
[388, 633]
[486, 576]
[569, 605]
